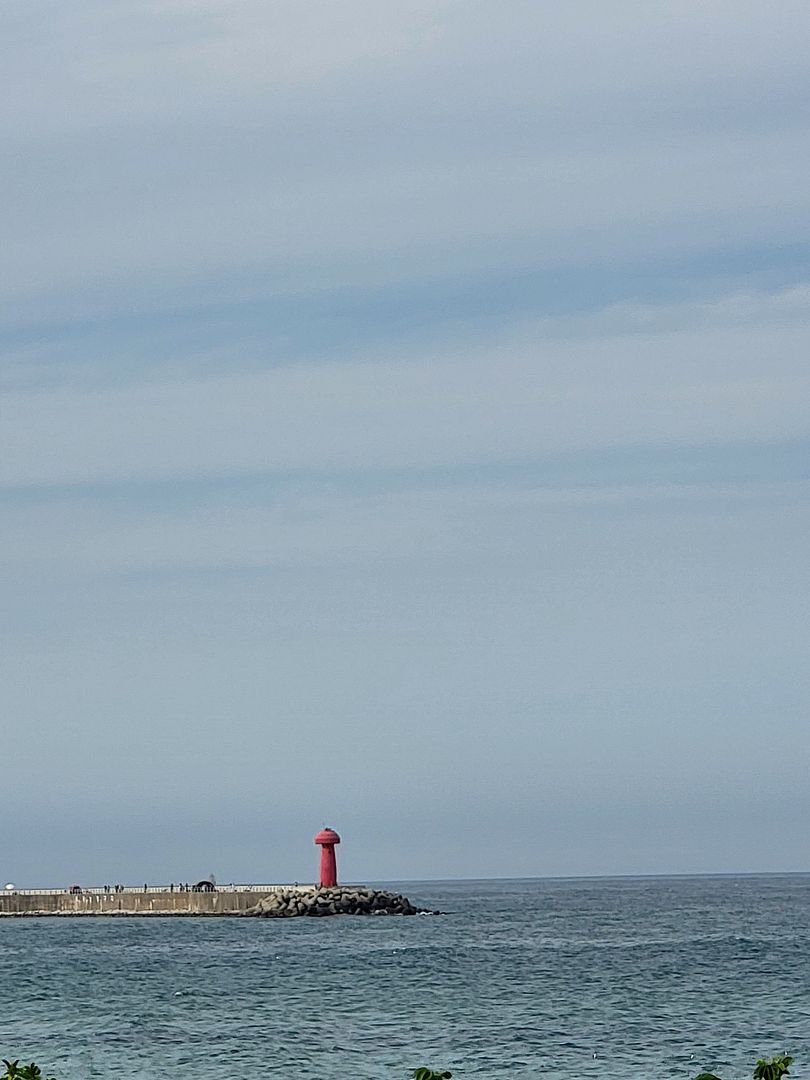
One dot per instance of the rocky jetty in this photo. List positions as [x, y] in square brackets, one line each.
[341, 900]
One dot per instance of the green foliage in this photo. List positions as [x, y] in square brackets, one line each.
[773, 1069]
[16, 1071]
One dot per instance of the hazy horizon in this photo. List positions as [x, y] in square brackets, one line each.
[405, 425]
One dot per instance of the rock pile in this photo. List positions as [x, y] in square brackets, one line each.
[342, 900]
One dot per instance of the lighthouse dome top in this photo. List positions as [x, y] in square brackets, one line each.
[327, 836]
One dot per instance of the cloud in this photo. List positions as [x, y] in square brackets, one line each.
[509, 399]
[175, 58]
[427, 379]
[312, 525]
[157, 149]
[518, 634]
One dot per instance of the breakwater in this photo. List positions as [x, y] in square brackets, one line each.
[274, 901]
[340, 900]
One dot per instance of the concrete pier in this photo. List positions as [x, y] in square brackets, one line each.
[235, 900]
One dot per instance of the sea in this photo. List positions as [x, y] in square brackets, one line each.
[622, 977]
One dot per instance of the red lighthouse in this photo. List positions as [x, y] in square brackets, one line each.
[327, 838]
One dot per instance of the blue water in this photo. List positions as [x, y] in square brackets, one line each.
[660, 977]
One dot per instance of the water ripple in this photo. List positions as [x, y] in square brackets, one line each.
[624, 978]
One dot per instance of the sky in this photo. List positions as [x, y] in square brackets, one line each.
[405, 427]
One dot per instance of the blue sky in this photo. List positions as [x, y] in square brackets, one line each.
[405, 428]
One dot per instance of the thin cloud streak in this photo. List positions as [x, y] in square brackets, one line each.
[503, 401]
[319, 529]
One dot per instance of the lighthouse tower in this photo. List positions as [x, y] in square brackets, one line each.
[327, 838]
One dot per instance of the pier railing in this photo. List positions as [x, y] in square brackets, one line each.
[100, 890]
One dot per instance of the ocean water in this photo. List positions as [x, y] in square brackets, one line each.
[656, 977]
